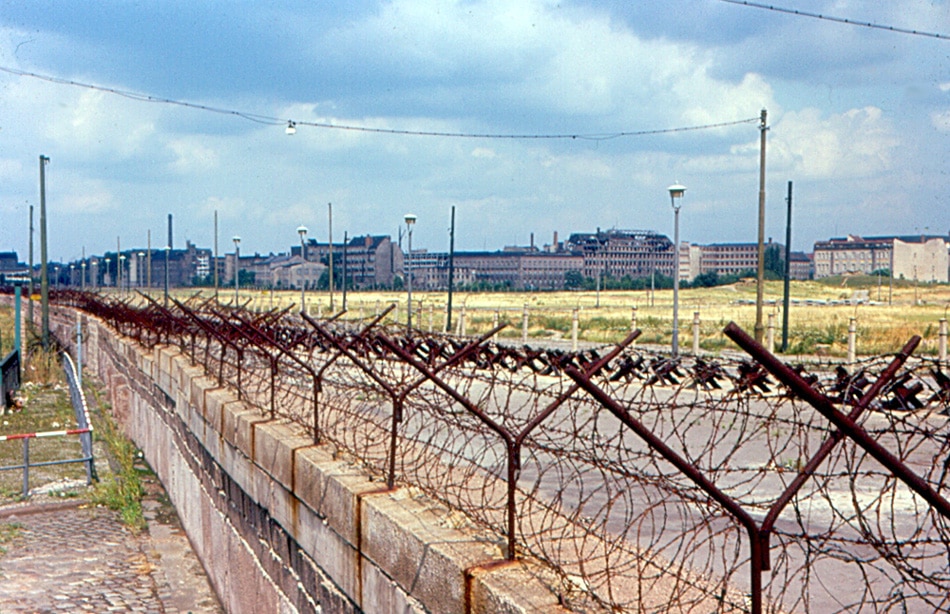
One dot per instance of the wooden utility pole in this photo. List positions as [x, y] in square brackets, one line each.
[760, 277]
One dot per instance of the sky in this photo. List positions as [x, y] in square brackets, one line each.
[858, 119]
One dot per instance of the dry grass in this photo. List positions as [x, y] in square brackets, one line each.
[884, 325]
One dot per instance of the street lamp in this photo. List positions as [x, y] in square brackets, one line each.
[106, 275]
[138, 269]
[168, 248]
[82, 265]
[237, 262]
[302, 231]
[119, 273]
[410, 221]
[676, 193]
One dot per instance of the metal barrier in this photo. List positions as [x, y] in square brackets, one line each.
[83, 430]
[9, 378]
[646, 482]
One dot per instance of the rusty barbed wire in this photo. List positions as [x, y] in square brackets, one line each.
[643, 483]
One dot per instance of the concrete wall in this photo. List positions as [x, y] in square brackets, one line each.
[280, 524]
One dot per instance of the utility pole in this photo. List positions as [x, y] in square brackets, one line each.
[760, 277]
[44, 268]
[345, 241]
[788, 269]
[448, 311]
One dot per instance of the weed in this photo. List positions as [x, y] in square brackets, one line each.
[9, 531]
[122, 491]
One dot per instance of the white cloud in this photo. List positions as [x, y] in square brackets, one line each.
[856, 143]
[941, 120]
[84, 197]
[191, 156]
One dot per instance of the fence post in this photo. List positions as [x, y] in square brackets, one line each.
[376, 314]
[574, 331]
[695, 333]
[524, 324]
[319, 310]
[633, 320]
[79, 349]
[494, 324]
[462, 322]
[770, 341]
[943, 340]
[26, 467]
[852, 339]
[431, 316]
[445, 320]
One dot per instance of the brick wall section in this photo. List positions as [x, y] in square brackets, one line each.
[279, 524]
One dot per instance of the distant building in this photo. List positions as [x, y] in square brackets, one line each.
[917, 257]
[625, 253]
[732, 258]
[801, 266]
[369, 261]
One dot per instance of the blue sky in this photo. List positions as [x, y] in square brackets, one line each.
[859, 119]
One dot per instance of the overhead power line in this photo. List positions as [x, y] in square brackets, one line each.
[276, 121]
[852, 22]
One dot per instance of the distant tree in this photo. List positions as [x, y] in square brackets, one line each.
[774, 262]
[573, 280]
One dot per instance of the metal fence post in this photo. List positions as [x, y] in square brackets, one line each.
[462, 322]
[26, 467]
[770, 341]
[494, 324]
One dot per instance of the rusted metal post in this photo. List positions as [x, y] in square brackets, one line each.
[826, 408]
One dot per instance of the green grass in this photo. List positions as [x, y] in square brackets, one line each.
[9, 531]
[121, 491]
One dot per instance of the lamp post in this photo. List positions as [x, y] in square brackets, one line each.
[676, 193]
[119, 274]
[106, 274]
[82, 265]
[410, 221]
[168, 248]
[138, 269]
[237, 267]
[302, 231]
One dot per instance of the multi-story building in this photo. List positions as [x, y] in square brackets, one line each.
[625, 253]
[369, 261]
[918, 257]
[732, 258]
[517, 268]
[801, 266]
